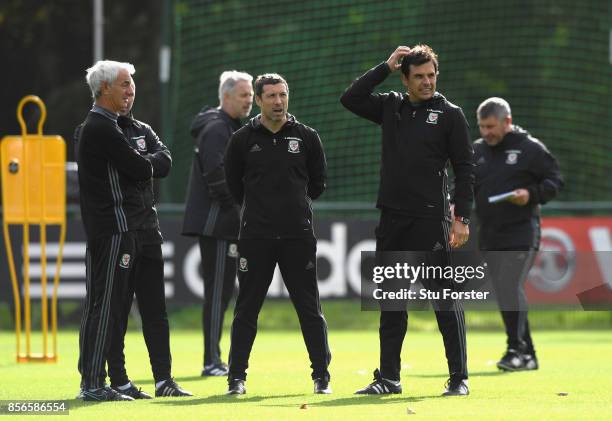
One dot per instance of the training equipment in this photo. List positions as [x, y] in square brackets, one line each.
[33, 170]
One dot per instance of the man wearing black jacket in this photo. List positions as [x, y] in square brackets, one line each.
[421, 133]
[108, 191]
[110, 171]
[211, 213]
[147, 276]
[509, 160]
[275, 167]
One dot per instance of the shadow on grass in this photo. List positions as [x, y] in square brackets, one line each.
[221, 399]
[180, 379]
[471, 374]
[361, 400]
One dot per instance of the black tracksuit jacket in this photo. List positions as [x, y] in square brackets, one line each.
[417, 144]
[144, 139]
[111, 174]
[518, 161]
[210, 209]
[275, 177]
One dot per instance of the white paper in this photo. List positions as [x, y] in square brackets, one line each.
[501, 197]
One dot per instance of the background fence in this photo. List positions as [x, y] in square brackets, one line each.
[549, 59]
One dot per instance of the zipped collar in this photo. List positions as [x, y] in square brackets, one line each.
[434, 100]
[255, 123]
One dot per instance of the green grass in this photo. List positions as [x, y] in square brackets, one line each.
[576, 362]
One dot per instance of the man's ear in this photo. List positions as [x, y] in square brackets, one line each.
[258, 100]
[104, 87]
[404, 79]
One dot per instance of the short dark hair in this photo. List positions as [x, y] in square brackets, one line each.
[268, 79]
[419, 54]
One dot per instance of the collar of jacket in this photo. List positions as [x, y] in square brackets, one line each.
[255, 122]
[434, 100]
[207, 114]
[517, 133]
[128, 121]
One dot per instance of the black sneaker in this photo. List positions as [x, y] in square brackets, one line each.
[530, 362]
[134, 392]
[170, 388]
[218, 369]
[456, 386]
[511, 361]
[104, 394]
[236, 387]
[321, 387]
[380, 386]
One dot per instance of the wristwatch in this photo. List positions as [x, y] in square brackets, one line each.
[462, 219]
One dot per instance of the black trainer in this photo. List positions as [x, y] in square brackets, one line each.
[218, 369]
[321, 387]
[134, 392]
[236, 387]
[104, 394]
[170, 388]
[530, 362]
[380, 386]
[511, 361]
[456, 386]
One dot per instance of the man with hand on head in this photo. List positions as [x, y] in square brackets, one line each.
[421, 133]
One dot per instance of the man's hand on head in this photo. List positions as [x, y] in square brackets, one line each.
[395, 59]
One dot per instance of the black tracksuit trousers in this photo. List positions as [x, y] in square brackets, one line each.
[397, 232]
[297, 262]
[219, 273]
[109, 261]
[509, 270]
[147, 282]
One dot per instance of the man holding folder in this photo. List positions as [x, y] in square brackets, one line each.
[515, 174]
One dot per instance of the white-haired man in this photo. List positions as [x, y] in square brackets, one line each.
[211, 213]
[111, 209]
[123, 239]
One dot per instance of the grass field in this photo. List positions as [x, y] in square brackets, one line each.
[575, 362]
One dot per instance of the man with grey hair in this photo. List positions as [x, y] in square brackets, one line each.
[510, 161]
[211, 214]
[109, 173]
